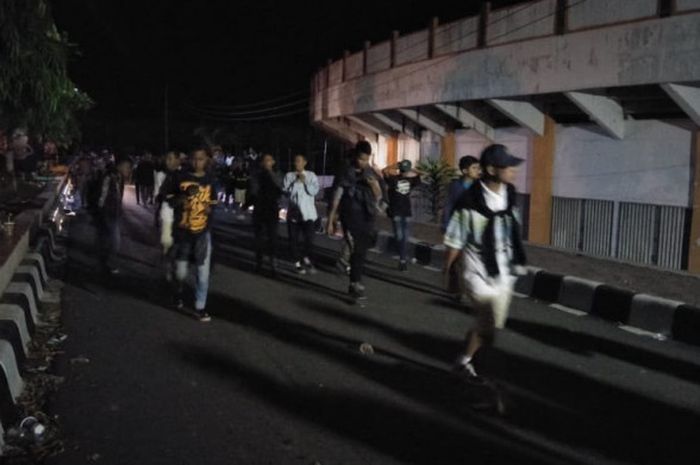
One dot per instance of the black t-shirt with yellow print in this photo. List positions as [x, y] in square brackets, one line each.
[192, 198]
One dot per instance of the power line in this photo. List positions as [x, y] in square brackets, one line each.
[255, 104]
[251, 112]
[305, 109]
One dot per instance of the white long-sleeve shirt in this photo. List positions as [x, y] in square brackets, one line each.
[302, 195]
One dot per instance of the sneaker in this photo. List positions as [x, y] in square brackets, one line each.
[309, 266]
[299, 268]
[179, 304]
[403, 266]
[465, 365]
[111, 271]
[203, 316]
[357, 291]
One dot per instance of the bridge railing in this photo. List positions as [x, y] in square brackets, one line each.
[524, 21]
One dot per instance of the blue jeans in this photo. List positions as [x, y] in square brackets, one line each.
[401, 234]
[202, 285]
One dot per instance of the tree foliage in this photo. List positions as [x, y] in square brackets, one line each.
[35, 89]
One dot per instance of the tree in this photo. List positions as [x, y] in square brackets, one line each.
[35, 89]
[436, 176]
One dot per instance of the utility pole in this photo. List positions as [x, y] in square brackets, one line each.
[166, 132]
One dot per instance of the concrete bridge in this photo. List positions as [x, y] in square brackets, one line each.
[600, 96]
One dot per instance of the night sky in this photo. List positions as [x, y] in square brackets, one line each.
[222, 51]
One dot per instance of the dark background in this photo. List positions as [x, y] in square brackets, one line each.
[219, 52]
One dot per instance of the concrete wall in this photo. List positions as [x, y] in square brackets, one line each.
[592, 13]
[687, 5]
[521, 22]
[430, 146]
[354, 65]
[412, 47]
[335, 72]
[380, 155]
[456, 36]
[409, 149]
[651, 165]
[649, 52]
[379, 57]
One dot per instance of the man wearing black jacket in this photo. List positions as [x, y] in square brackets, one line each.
[355, 201]
[265, 192]
[109, 212]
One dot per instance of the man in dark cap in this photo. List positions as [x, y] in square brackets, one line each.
[485, 232]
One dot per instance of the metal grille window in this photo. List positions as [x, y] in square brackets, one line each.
[597, 227]
[672, 237]
[637, 233]
[566, 222]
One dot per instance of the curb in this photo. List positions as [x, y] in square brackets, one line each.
[637, 312]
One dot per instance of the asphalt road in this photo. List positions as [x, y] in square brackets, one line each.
[278, 378]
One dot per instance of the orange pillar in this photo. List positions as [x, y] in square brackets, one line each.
[694, 238]
[449, 149]
[392, 147]
[541, 170]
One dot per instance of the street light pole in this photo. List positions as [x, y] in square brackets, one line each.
[166, 132]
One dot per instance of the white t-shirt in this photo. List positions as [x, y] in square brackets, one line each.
[477, 280]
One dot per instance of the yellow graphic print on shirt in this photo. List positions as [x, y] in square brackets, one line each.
[195, 213]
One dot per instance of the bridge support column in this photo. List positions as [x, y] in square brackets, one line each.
[448, 148]
[541, 184]
[392, 149]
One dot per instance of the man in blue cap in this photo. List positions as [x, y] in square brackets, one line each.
[401, 179]
[485, 232]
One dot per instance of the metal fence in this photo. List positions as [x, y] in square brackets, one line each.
[638, 233]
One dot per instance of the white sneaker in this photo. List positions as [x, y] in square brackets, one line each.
[464, 364]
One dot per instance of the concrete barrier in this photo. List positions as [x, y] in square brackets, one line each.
[578, 293]
[546, 286]
[653, 313]
[15, 314]
[612, 303]
[525, 284]
[686, 325]
[25, 282]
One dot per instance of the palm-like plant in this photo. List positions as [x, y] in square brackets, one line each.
[436, 176]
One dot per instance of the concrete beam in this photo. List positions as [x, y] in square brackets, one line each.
[686, 97]
[523, 113]
[360, 129]
[467, 119]
[422, 120]
[398, 127]
[370, 127]
[333, 128]
[606, 112]
[592, 59]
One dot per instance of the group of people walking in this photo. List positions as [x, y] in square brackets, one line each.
[480, 223]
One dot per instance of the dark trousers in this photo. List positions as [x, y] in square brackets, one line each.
[109, 238]
[144, 193]
[138, 187]
[301, 249]
[265, 228]
[401, 235]
[362, 233]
